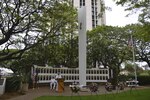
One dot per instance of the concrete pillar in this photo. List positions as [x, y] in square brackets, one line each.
[82, 45]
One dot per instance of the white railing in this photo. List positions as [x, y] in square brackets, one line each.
[72, 74]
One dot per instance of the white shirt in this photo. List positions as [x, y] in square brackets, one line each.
[58, 76]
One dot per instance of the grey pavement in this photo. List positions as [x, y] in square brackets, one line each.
[45, 91]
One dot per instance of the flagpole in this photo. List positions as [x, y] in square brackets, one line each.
[133, 53]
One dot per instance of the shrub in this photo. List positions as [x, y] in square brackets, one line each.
[144, 80]
[12, 84]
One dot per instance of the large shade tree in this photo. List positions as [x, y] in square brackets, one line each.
[108, 47]
[26, 23]
[58, 51]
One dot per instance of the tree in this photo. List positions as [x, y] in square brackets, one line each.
[143, 51]
[108, 47]
[136, 5]
[130, 68]
[58, 51]
[143, 7]
[26, 23]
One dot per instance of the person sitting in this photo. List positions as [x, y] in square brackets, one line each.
[53, 83]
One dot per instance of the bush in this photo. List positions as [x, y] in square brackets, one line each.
[144, 80]
[12, 84]
[123, 78]
[148, 72]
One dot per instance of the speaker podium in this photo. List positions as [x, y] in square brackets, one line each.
[60, 85]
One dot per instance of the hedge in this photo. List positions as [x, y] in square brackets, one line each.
[144, 80]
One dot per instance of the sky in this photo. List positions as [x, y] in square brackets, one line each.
[116, 17]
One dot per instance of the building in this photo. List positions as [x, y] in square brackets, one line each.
[94, 13]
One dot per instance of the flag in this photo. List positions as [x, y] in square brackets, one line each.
[130, 42]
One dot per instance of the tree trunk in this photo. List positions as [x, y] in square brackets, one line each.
[114, 80]
[24, 88]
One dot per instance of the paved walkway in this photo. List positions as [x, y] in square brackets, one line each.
[44, 91]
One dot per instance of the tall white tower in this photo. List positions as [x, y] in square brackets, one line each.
[89, 16]
[94, 12]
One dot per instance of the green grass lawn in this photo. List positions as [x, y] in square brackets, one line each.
[143, 94]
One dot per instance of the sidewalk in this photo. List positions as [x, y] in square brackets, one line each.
[44, 91]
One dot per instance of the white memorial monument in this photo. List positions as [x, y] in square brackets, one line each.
[82, 45]
[88, 18]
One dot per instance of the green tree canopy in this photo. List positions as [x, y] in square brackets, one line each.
[108, 47]
[26, 23]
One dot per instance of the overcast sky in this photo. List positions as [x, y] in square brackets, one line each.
[116, 17]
